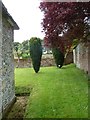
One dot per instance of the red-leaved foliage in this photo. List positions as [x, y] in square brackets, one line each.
[65, 21]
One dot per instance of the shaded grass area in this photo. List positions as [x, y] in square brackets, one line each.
[22, 90]
[56, 93]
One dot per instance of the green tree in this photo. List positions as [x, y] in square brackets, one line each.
[25, 44]
[25, 49]
[16, 46]
[36, 52]
[58, 56]
[17, 50]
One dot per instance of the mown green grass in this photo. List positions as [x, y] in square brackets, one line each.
[56, 93]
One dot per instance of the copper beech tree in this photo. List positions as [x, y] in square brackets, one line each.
[65, 21]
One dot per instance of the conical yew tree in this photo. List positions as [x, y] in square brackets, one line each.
[58, 56]
[36, 52]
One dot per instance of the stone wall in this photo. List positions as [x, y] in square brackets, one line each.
[7, 64]
[89, 59]
[0, 60]
[82, 57]
[25, 63]
[47, 60]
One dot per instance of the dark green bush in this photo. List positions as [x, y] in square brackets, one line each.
[36, 52]
[58, 56]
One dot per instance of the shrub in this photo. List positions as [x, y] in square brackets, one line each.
[36, 52]
[58, 56]
[25, 56]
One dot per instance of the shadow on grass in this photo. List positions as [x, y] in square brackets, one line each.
[23, 90]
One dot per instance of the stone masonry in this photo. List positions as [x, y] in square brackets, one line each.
[7, 89]
[0, 61]
[82, 57]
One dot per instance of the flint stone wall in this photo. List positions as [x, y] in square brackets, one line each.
[82, 57]
[6, 66]
[47, 60]
[0, 62]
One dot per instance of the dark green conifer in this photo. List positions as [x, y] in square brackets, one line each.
[58, 56]
[36, 52]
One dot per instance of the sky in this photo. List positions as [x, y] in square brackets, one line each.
[28, 16]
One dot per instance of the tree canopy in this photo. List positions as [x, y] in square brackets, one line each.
[22, 49]
[65, 21]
